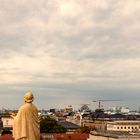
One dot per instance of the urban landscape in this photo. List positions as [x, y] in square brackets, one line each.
[78, 61]
[83, 124]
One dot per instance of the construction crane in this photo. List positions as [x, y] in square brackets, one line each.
[99, 102]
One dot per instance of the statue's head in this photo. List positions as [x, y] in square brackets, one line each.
[28, 97]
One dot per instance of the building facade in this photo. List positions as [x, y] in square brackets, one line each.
[113, 136]
[129, 126]
[7, 122]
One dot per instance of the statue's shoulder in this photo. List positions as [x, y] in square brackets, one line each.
[35, 108]
[28, 108]
[22, 107]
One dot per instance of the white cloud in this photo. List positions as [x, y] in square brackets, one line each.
[58, 43]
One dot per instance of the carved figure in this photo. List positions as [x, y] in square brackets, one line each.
[26, 124]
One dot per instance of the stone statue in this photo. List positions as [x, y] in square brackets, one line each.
[26, 124]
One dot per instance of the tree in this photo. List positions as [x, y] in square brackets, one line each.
[50, 125]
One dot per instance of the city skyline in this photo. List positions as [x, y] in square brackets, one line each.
[70, 52]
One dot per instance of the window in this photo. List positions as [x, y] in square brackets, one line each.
[7, 122]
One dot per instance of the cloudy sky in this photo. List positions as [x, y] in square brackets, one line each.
[70, 52]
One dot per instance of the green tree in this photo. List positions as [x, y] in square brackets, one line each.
[50, 125]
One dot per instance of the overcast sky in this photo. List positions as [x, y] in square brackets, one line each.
[70, 52]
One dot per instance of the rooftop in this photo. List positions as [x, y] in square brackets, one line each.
[115, 134]
[75, 136]
[68, 125]
[6, 137]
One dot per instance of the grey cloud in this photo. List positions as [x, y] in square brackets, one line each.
[55, 51]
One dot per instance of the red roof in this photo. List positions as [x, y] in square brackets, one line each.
[6, 137]
[75, 136]
[63, 136]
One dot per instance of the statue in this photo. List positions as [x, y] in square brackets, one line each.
[26, 123]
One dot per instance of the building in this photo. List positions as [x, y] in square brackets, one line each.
[7, 122]
[113, 136]
[125, 125]
[75, 136]
[6, 137]
[71, 127]
[123, 110]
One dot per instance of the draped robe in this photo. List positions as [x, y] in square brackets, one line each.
[26, 123]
